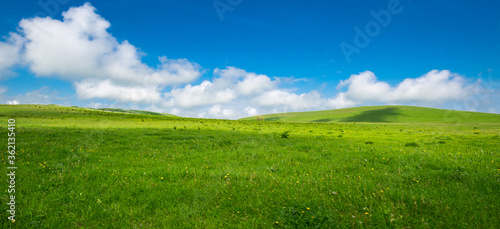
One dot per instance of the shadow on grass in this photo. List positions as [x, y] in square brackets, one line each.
[380, 115]
[324, 120]
[272, 119]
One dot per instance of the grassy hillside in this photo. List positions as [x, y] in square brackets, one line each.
[133, 111]
[384, 114]
[87, 168]
[46, 111]
[33, 114]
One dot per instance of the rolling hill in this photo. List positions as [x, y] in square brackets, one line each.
[134, 111]
[58, 111]
[384, 114]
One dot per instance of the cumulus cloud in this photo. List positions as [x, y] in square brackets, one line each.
[290, 101]
[247, 83]
[254, 84]
[219, 112]
[435, 87]
[234, 93]
[340, 101]
[207, 93]
[79, 49]
[250, 111]
[228, 85]
[105, 89]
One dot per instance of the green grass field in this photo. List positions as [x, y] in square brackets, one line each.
[384, 114]
[88, 168]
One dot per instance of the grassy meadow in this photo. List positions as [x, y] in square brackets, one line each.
[384, 114]
[381, 167]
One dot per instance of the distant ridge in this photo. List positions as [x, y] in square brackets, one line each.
[27, 110]
[383, 114]
[119, 110]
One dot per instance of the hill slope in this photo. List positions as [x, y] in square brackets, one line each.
[52, 110]
[134, 111]
[384, 114]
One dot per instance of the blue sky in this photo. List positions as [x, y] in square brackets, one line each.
[231, 59]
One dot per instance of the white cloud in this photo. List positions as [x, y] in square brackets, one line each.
[340, 101]
[435, 87]
[218, 111]
[73, 48]
[286, 101]
[13, 102]
[244, 92]
[79, 49]
[228, 85]
[365, 87]
[250, 111]
[254, 84]
[247, 83]
[174, 72]
[89, 89]
[230, 73]
[207, 93]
